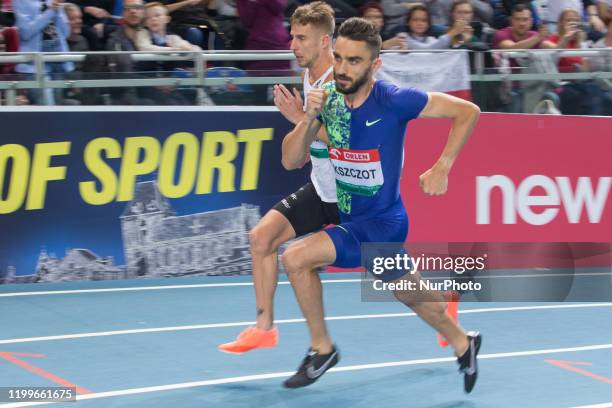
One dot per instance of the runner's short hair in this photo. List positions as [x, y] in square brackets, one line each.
[318, 14]
[360, 29]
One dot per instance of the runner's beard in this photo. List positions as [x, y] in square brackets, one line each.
[355, 85]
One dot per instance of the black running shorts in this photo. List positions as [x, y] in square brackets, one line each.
[306, 212]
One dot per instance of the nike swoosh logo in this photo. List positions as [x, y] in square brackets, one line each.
[368, 123]
[312, 373]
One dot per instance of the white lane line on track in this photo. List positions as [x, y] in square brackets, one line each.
[146, 288]
[238, 284]
[288, 321]
[247, 378]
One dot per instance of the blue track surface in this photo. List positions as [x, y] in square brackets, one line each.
[187, 356]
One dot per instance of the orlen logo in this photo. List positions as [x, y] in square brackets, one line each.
[557, 192]
[357, 156]
[335, 153]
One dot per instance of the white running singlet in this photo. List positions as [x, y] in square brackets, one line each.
[322, 175]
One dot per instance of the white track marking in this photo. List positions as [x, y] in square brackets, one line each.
[256, 377]
[288, 321]
[165, 287]
[230, 284]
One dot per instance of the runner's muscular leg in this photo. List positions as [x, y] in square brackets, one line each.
[430, 306]
[265, 238]
[301, 261]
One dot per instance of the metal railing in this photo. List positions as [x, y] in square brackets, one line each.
[199, 79]
[197, 59]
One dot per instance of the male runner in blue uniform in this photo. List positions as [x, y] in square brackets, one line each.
[366, 123]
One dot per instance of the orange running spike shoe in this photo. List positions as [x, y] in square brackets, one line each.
[251, 338]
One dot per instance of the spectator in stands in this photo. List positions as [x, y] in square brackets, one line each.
[596, 16]
[155, 37]
[551, 11]
[96, 12]
[569, 35]
[6, 5]
[76, 41]
[502, 12]
[580, 96]
[473, 32]
[440, 11]
[193, 21]
[124, 39]
[7, 18]
[264, 21]
[525, 96]
[519, 35]
[598, 13]
[98, 21]
[604, 11]
[229, 24]
[43, 27]
[9, 42]
[373, 12]
[588, 97]
[79, 43]
[603, 63]
[396, 12]
[226, 8]
[418, 24]
[605, 42]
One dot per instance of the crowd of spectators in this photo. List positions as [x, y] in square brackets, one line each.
[192, 25]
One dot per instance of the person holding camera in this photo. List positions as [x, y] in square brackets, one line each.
[473, 32]
[570, 35]
[578, 97]
[418, 26]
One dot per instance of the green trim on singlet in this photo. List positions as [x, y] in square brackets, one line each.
[319, 153]
[361, 190]
[337, 119]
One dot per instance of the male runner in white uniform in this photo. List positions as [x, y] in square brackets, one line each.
[313, 206]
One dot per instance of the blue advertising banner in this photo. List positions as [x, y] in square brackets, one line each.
[121, 194]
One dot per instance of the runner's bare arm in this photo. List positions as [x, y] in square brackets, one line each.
[296, 144]
[464, 115]
[289, 103]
